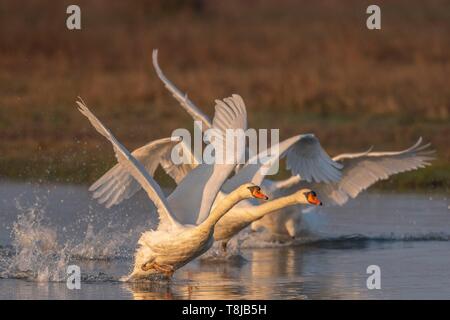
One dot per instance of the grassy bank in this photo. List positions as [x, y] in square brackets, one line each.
[300, 66]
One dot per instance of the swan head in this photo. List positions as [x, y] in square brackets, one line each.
[250, 190]
[308, 196]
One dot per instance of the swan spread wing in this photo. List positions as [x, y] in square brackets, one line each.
[134, 167]
[187, 105]
[192, 199]
[178, 171]
[305, 157]
[361, 170]
[117, 184]
[183, 99]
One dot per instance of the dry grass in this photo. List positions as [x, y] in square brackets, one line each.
[301, 66]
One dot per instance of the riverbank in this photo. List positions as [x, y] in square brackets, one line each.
[299, 66]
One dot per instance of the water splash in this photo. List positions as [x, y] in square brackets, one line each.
[39, 252]
[103, 244]
[36, 254]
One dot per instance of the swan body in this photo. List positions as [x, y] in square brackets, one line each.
[164, 251]
[174, 244]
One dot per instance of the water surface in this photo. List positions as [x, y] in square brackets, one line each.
[45, 228]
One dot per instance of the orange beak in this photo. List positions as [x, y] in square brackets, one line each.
[312, 199]
[259, 195]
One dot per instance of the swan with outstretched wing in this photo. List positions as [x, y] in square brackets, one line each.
[304, 155]
[359, 172]
[173, 244]
[311, 166]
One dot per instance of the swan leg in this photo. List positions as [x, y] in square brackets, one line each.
[291, 228]
[224, 246]
[254, 226]
[147, 266]
[164, 268]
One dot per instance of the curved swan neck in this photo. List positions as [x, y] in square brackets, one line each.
[221, 208]
[271, 206]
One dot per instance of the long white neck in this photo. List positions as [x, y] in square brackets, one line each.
[274, 205]
[221, 208]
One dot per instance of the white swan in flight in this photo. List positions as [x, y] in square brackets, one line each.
[304, 155]
[359, 172]
[174, 244]
[116, 185]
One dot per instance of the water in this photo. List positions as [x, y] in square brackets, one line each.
[45, 228]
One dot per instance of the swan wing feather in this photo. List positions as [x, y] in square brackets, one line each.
[305, 157]
[183, 99]
[133, 166]
[192, 199]
[361, 170]
[118, 184]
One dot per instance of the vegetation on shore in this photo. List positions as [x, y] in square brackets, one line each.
[300, 66]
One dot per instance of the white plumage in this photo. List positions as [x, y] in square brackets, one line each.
[359, 172]
[173, 244]
[309, 164]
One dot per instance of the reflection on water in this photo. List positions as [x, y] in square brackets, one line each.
[406, 235]
[253, 279]
[313, 273]
[304, 272]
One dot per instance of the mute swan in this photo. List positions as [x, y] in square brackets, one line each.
[240, 217]
[174, 244]
[359, 172]
[305, 157]
[103, 190]
[245, 212]
[187, 203]
[164, 251]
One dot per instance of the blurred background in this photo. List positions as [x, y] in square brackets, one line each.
[301, 66]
